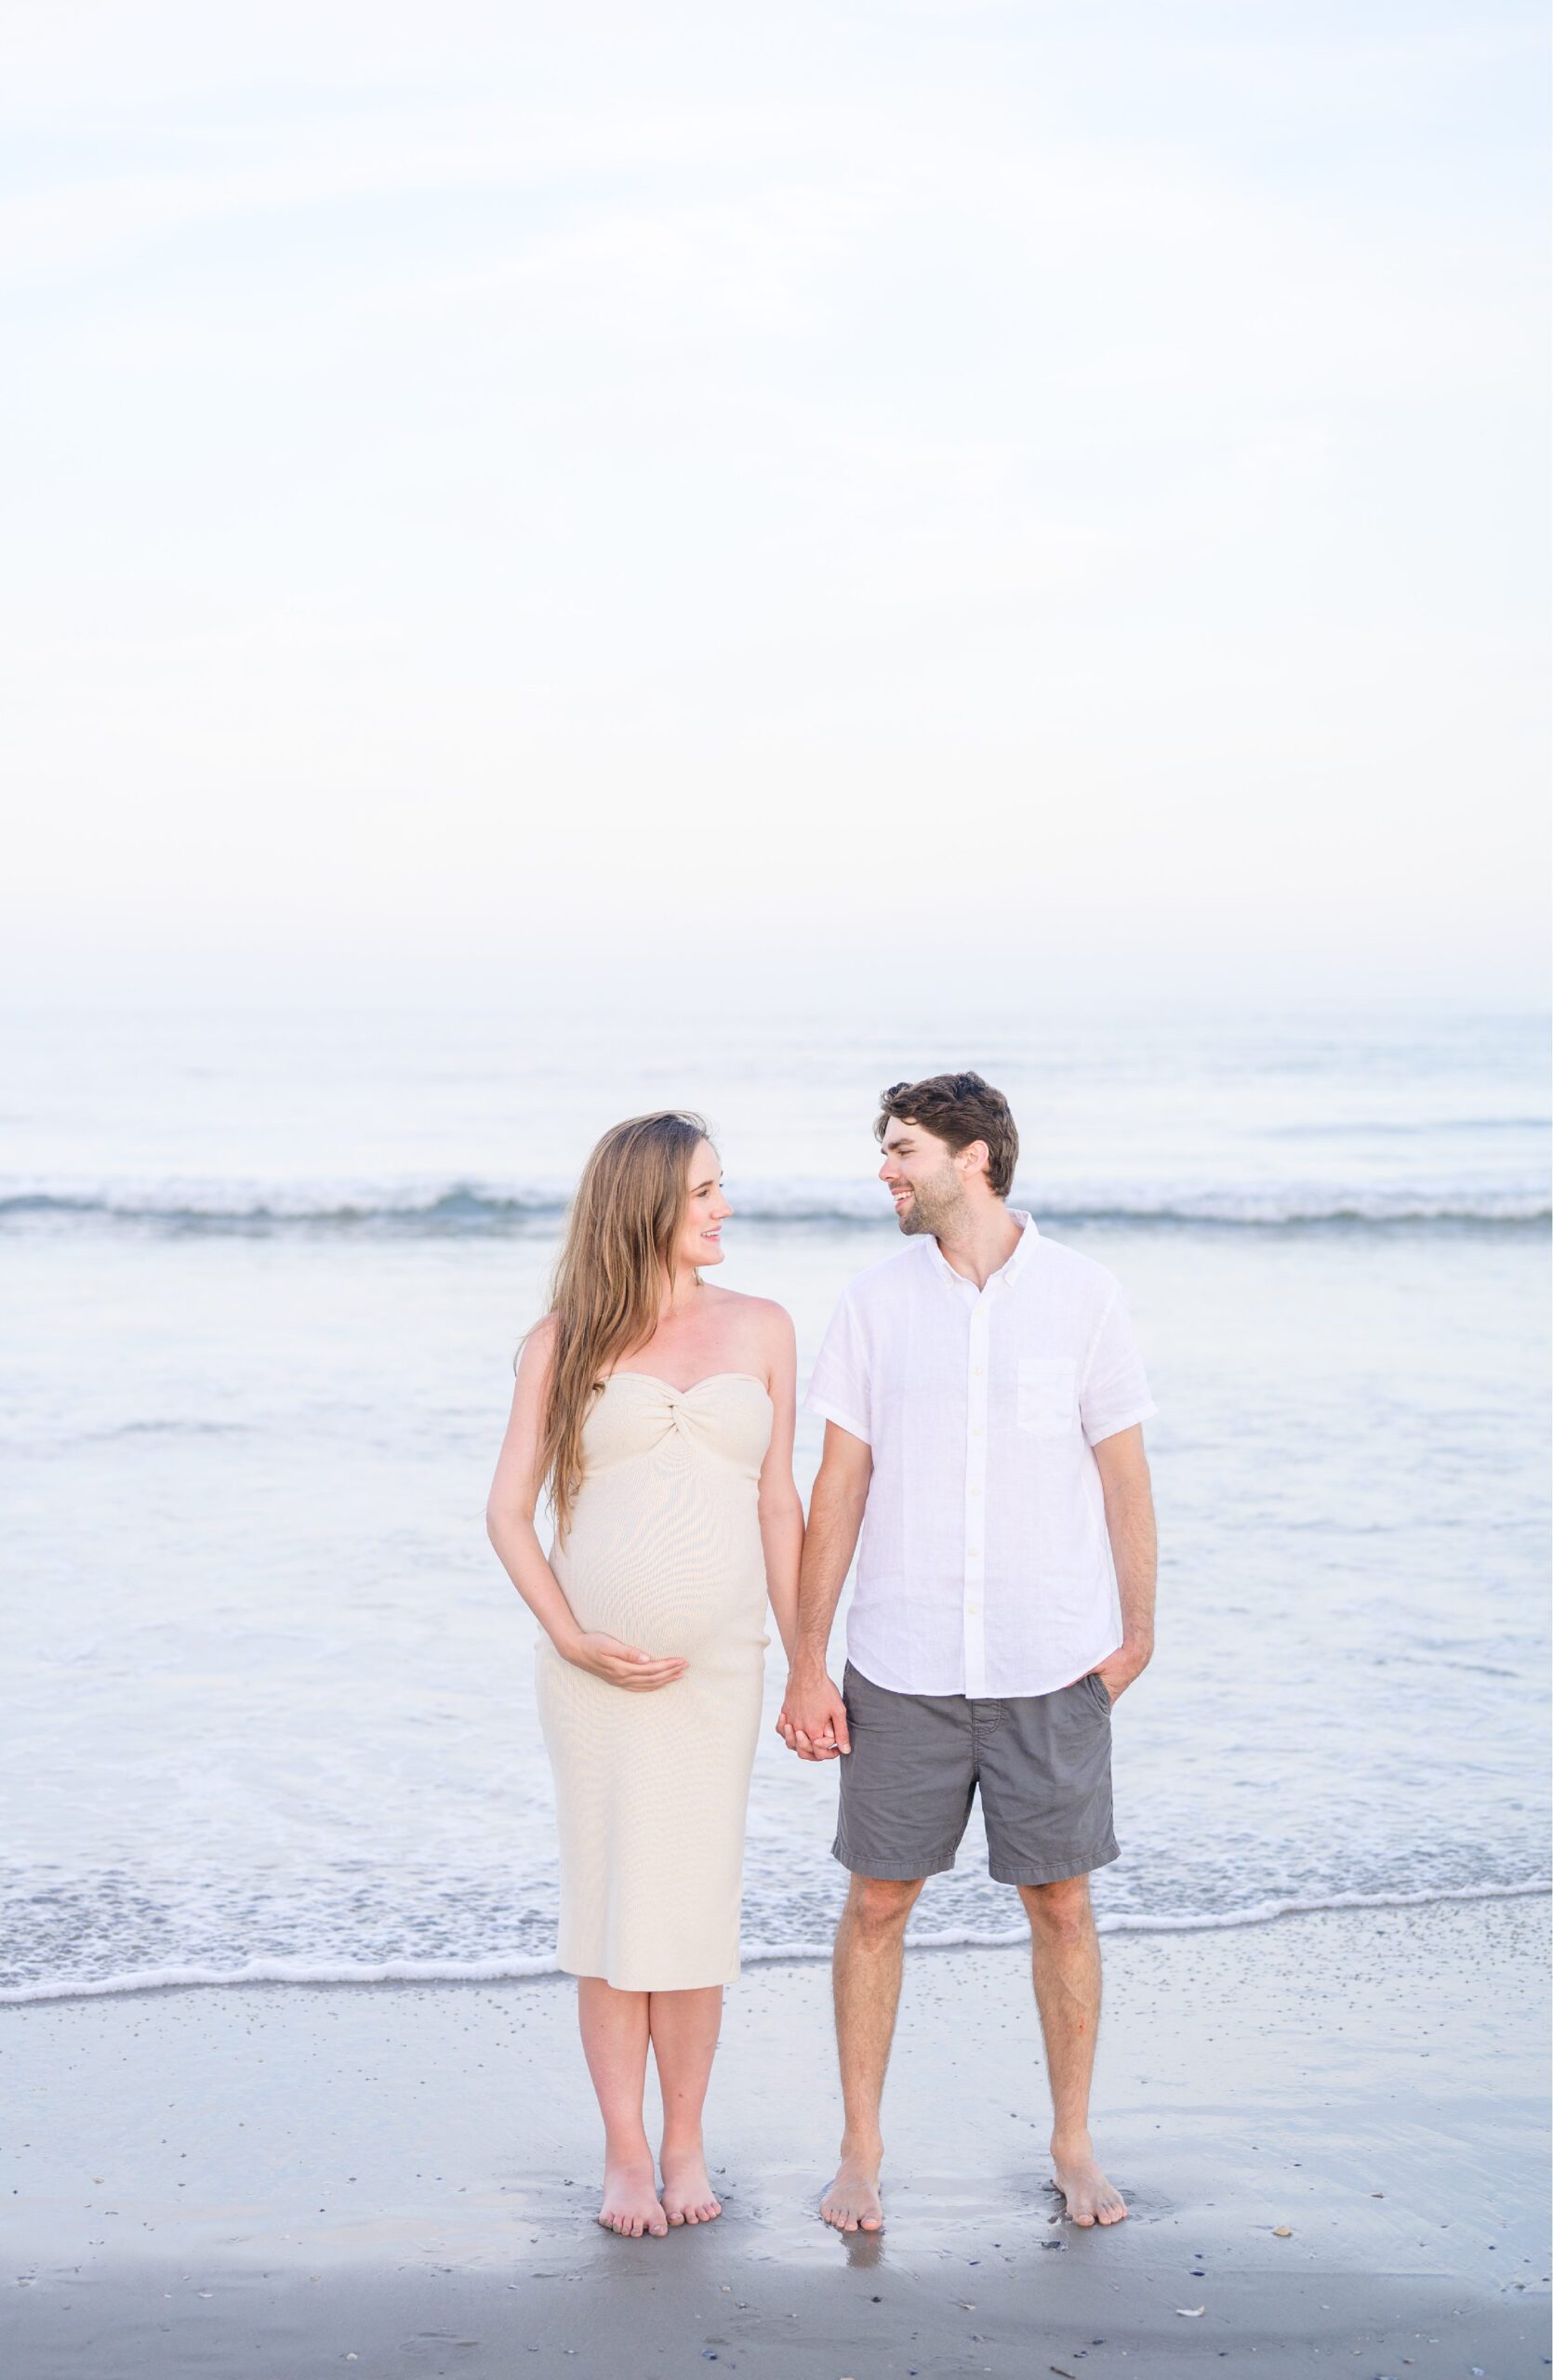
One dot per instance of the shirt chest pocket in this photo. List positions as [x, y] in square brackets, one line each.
[1048, 1395]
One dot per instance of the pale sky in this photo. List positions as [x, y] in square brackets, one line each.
[949, 491]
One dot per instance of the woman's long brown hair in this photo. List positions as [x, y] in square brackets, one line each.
[607, 1292]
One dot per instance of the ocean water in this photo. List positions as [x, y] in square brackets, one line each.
[266, 1708]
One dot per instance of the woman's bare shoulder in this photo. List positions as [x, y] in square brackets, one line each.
[766, 1310]
[538, 1353]
[761, 1324]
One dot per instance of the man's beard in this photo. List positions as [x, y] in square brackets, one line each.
[935, 1205]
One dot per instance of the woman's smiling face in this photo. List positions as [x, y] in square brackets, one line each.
[700, 1239]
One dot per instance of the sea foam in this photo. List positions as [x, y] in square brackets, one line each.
[514, 1970]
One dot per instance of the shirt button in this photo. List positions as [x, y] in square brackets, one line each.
[975, 1552]
[975, 1371]
[976, 1491]
[976, 1428]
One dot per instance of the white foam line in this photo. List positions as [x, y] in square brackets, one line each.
[1260, 1914]
[286, 1971]
[509, 1970]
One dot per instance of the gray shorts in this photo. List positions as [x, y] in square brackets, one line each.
[1043, 1762]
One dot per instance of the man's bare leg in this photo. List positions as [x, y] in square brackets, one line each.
[1065, 1959]
[866, 1972]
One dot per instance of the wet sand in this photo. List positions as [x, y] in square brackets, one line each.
[283, 2181]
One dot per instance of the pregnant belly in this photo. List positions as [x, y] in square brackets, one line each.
[697, 1601]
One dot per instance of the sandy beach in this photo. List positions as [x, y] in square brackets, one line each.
[294, 2180]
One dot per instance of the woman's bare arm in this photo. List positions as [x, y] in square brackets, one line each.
[781, 1508]
[510, 1511]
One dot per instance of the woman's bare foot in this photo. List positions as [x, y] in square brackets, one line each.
[630, 2203]
[688, 2196]
[1091, 2199]
[851, 2203]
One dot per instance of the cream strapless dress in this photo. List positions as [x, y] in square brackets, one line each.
[651, 1790]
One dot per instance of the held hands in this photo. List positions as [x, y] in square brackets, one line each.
[623, 1665]
[812, 1721]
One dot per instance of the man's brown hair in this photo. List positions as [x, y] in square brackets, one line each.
[959, 1109]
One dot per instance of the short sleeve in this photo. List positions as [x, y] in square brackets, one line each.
[838, 1384]
[1114, 1392]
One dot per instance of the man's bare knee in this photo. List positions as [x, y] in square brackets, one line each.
[1061, 1912]
[879, 1906]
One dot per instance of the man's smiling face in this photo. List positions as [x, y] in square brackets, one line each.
[922, 1177]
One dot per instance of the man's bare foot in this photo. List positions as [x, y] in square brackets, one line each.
[688, 2196]
[630, 2203]
[851, 2203]
[1091, 2199]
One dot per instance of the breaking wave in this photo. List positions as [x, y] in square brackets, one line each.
[453, 1209]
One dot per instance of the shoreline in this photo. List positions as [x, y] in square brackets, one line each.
[282, 2178]
[328, 1976]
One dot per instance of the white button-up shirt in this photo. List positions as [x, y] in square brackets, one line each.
[985, 1568]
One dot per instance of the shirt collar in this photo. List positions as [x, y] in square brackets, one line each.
[1025, 1245]
[1008, 1270]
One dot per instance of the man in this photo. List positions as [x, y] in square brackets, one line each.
[983, 1397]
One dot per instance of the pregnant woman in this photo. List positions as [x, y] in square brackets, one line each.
[656, 1409]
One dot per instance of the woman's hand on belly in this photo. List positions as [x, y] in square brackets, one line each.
[617, 1664]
